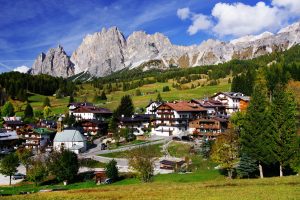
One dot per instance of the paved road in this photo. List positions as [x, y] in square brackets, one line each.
[122, 163]
[4, 180]
[97, 150]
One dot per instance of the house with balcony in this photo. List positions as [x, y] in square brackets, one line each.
[208, 128]
[93, 126]
[173, 118]
[36, 138]
[139, 124]
[234, 101]
[213, 107]
[12, 123]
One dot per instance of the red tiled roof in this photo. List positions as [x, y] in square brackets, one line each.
[184, 106]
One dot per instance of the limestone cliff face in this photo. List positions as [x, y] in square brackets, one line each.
[101, 53]
[108, 51]
[55, 63]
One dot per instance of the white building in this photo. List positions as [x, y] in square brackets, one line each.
[151, 107]
[173, 118]
[87, 111]
[233, 101]
[72, 140]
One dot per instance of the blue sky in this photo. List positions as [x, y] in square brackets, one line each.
[29, 27]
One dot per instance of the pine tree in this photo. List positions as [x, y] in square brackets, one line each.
[103, 96]
[71, 99]
[46, 102]
[247, 166]
[159, 98]
[254, 133]
[284, 127]
[28, 113]
[111, 170]
[125, 108]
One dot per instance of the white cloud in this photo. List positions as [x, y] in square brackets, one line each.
[183, 13]
[200, 22]
[239, 19]
[22, 69]
[292, 6]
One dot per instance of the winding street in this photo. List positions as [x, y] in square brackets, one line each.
[122, 163]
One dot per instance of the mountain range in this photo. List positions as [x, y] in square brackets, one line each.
[108, 51]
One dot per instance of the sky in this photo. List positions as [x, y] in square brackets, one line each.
[29, 27]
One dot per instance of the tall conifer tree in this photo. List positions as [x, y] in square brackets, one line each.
[283, 127]
[254, 135]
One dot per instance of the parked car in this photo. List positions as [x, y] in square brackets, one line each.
[176, 138]
[103, 146]
[18, 176]
[187, 138]
[108, 181]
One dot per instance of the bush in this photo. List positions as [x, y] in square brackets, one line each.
[166, 89]
[64, 165]
[111, 170]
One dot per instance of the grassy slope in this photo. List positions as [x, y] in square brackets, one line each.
[179, 149]
[141, 101]
[268, 188]
[123, 154]
[60, 105]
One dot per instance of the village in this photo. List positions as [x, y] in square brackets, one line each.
[194, 122]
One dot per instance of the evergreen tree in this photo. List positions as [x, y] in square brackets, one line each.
[138, 92]
[71, 120]
[103, 96]
[71, 99]
[28, 113]
[46, 102]
[247, 166]
[58, 94]
[166, 89]
[111, 170]
[284, 127]
[8, 110]
[254, 133]
[125, 108]
[159, 98]
[22, 95]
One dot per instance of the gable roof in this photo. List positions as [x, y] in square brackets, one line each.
[184, 106]
[234, 95]
[69, 136]
[92, 109]
[210, 103]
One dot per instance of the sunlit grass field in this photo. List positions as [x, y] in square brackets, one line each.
[150, 91]
[174, 187]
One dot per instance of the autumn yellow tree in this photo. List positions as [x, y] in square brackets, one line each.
[225, 151]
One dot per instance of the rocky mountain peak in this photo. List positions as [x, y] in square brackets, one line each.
[108, 51]
[55, 62]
